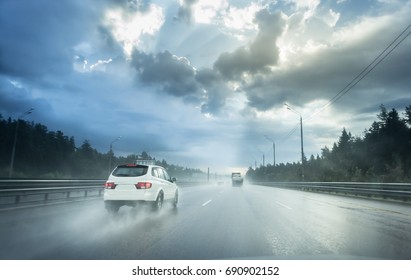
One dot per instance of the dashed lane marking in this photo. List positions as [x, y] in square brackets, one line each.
[283, 205]
[207, 202]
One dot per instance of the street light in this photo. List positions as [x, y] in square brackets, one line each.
[13, 152]
[111, 153]
[302, 145]
[263, 156]
[271, 140]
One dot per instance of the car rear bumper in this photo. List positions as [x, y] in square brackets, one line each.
[110, 195]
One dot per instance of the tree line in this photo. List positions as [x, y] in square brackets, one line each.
[41, 153]
[381, 154]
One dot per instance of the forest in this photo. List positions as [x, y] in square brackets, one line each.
[44, 154]
[381, 154]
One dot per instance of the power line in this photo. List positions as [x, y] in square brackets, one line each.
[386, 52]
[290, 133]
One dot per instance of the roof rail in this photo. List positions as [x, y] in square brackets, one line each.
[145, 161]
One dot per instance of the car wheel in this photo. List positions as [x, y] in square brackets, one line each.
[158, 204]
[175, 200]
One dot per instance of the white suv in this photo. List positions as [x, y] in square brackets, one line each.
[133, 183]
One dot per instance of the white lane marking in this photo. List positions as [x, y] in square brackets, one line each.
[207, 202]
[283, 205]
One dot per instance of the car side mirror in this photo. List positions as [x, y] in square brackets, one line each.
[173, 180]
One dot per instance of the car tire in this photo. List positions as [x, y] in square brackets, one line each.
[158, 203]
[175, 200]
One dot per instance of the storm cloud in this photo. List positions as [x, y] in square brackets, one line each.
[212, 75]
[259, 55]
[174, 74]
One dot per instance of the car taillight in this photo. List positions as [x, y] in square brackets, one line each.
[110, 185]
[143, 185]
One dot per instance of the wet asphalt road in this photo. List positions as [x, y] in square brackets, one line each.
[213, 222]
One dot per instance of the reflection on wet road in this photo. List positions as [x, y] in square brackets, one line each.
[213, 222]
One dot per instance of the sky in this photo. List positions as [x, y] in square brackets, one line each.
[203, 83]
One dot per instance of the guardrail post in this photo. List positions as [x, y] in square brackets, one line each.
[85, 193]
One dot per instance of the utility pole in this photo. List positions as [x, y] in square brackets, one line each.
[302, 142]
[302, 148]
[111, 153]
[271, 140]
[13, 151]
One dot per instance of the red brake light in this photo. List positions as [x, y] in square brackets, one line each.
[143, 185]
[110, 185]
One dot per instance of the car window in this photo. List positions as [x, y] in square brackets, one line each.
[160, 173]
[166, 176]
[154, 172]
[157, 172]
[130, 171]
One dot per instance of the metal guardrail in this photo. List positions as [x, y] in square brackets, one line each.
[395, 191]
[44, 191]
[34, 191]
[19, 184]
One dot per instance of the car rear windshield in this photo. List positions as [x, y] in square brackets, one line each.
[130, 171]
